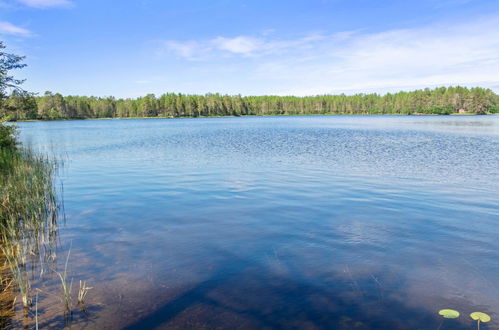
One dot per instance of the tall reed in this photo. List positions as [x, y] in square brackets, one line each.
[66, 289]
[28, 214]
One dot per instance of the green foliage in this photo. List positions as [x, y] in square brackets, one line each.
[449, 313]
[20, 104]
[53, 114]
[9, 62]
[439, 101]
[7, 136]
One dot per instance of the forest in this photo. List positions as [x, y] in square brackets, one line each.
[439, 101]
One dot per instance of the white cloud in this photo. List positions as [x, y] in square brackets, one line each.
[246, 46]
[435, 55]
[11, 29]
[187, 49]
[465, 53]
[238, 45]
[46, 3]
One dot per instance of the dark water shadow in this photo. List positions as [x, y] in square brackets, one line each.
[245, 295]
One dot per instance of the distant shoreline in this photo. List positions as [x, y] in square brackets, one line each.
[438, 101]
[243, 116]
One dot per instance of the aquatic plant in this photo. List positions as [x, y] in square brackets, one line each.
[8, 294]
[82, 291]
[66, 289]
[36, 312]
[449, 313]
[28, 212]
[18, 271]
[28, 216]
[480, 317]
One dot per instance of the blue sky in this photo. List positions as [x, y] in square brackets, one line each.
[295, 47]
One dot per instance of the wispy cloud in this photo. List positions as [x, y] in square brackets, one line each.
[186, 49]
[434, 55]
[46, 3]
[464, 53]
[11, 29]
[239, 45]
[246, 46]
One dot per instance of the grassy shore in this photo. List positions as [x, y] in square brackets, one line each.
[28, 217]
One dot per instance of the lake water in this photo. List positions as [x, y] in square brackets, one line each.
[322, 222]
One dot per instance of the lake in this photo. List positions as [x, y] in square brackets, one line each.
[310, 222]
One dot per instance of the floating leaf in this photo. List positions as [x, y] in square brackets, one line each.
[479, 316]
[449, 313]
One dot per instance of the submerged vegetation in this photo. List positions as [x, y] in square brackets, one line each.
[440, 101]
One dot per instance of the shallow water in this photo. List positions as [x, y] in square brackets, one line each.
[347, 222]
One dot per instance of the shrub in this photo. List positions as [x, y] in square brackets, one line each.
[7, 136]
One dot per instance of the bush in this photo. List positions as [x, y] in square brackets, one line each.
[7, 136]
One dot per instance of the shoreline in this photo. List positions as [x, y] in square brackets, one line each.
[273, 115]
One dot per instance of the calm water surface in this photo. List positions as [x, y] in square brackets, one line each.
[345, 222]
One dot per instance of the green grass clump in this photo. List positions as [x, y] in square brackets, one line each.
[28, 210]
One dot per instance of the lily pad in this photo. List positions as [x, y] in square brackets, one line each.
[479, 316]
[449, 313]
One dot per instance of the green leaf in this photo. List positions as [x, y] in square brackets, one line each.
[449, 313]
[479, 316]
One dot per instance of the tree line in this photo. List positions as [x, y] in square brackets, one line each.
[443, 100]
